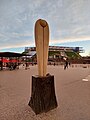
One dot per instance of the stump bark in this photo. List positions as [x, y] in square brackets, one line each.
[43, 96]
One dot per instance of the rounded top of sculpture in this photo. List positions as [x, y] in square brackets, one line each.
[43, 23]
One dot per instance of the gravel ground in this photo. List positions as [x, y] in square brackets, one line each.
[73, 94]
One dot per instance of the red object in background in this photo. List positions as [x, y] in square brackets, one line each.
[13, 60]
[6, 60]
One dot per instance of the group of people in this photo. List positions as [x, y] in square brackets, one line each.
[12, 66]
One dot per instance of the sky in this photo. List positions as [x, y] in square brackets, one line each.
[69, 23]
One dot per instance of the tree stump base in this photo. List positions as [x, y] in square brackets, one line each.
[43, 96]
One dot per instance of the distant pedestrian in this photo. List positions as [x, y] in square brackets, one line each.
[66, 65]
[69, 64]
[54, 64]
[1, 65]
[26, 66]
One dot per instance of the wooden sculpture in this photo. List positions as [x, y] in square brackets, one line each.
[43, 96]
[42, 42]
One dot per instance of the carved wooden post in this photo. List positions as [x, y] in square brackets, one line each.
[42, 42]
[43, 96]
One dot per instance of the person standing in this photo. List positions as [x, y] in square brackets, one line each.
[66, 65]
[1, 65]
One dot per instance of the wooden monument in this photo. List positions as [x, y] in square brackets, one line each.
[43, 96]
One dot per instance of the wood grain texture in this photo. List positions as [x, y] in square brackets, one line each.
[43, 96]
[42, 43]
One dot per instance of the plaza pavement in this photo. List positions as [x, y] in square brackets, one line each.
[73, 94]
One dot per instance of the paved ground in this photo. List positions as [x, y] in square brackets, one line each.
[73, 94]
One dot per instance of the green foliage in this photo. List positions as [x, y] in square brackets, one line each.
[73, 55]
[51, 53]
[24, 52]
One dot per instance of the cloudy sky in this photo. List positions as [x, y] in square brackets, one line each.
[69, 22]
